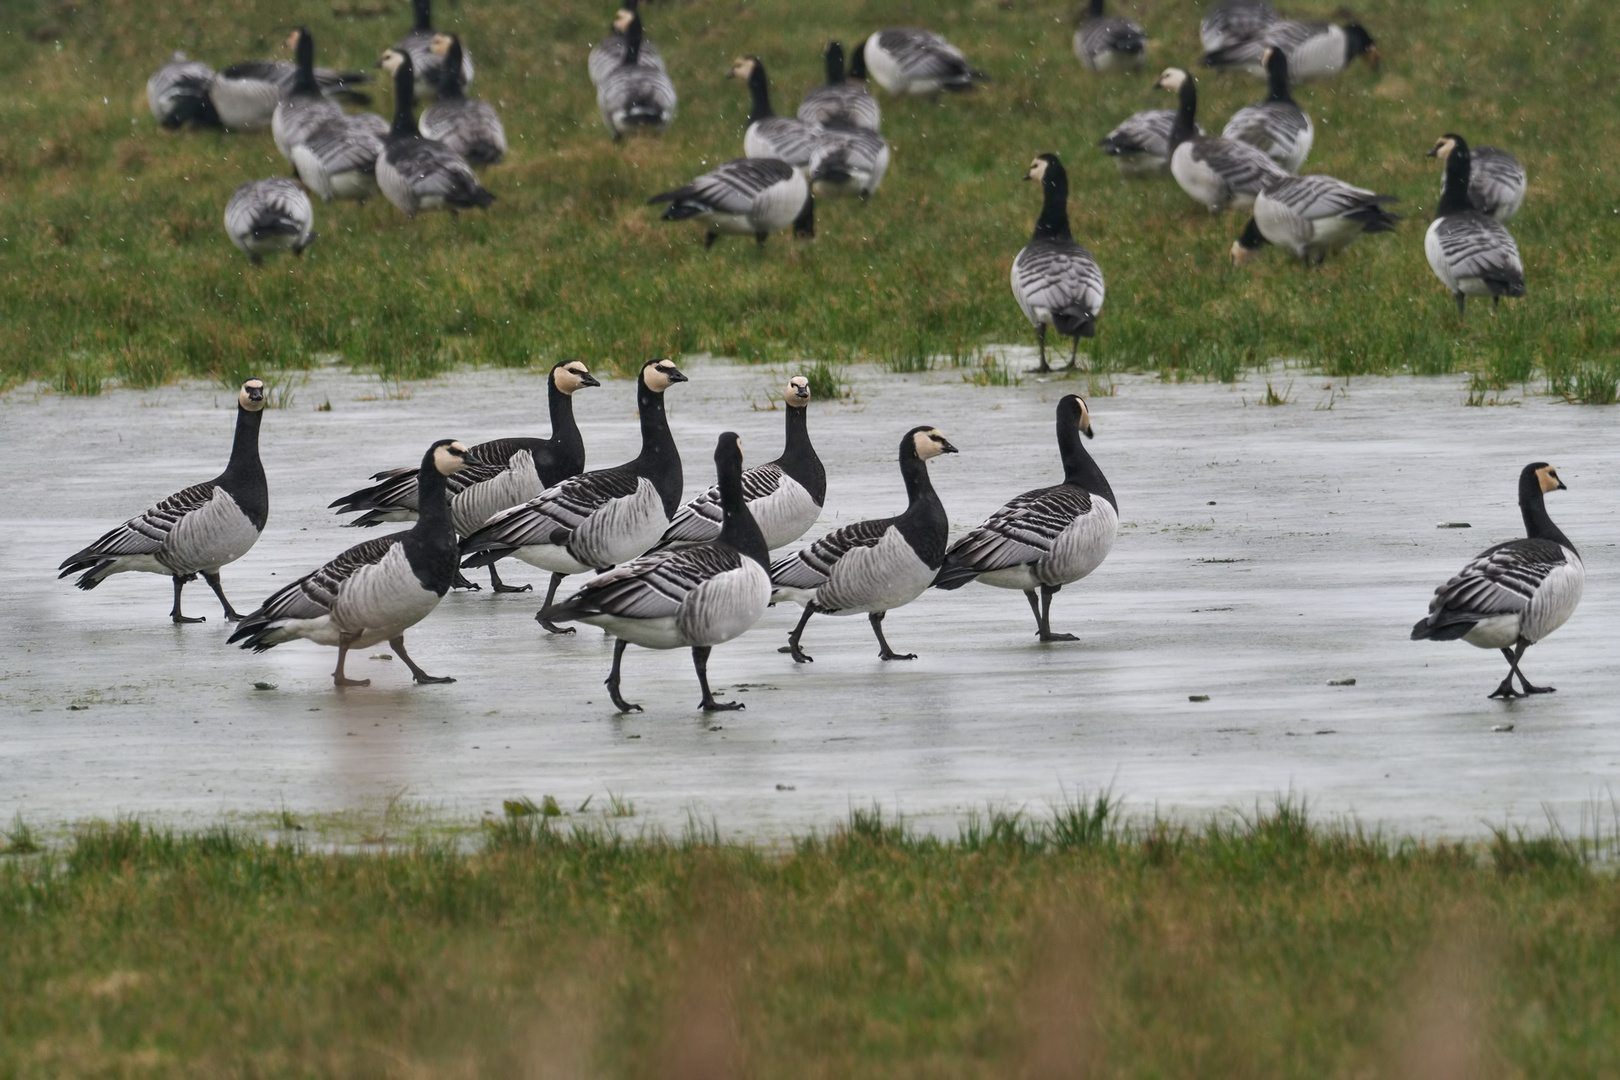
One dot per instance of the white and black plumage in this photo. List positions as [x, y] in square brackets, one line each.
[497, 474]
[470, 127]
[608, 53]
[632, 97]
[1471, 253]
[374, 591]
[1056, 281]
[245, 95]
[195, 531]
[691, 597]
[270, 215]
[905, 60]
[1106, 43]
[1047, 538]
[426, 63]
[1234, 21]
[338, 160]
[303, 108]
[177, 93]
[744, 197]
[416, 173]
[1222, 174]
[768, 135]
[785, 496]
[1316, 50]
[1496, 182]
[838, 100]
[848, 161]
[877, 565]
[1277, 125]
[1140, 145]
[1313, 216]
[1514, 594]
[597, 519]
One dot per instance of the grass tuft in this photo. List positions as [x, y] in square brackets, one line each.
[20, 838]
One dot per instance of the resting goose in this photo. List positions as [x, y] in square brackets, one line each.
[1222, 174]
[1104, 43]
[848, 161]
[1140, 145]
[609, 52]
[374, 591]
[597, 519]
[195, 531]
[415, 173]
[1514, 594]
[691, 597]
[265, 216]
[245, 95]
[1277, 125]
[303, 108]
[838, 99]
[466, 125]
[338, 160]
[1471, 253]
[744, 197]
[1234, 21]
[1496, 182]
[177, 93]
[1047, 538]
[1315, 50]
[785, 496]
[426, 63]
[1313, 216]
[631, 96]
[905, 60]
[877, 565]
[1056, 281]
[768, 135]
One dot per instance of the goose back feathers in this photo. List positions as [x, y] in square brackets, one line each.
[425, 63]
[1471, 253]
[632, 96]
[1106, 43]
[416, 173]
[1313, 216]
[608, 53]
[177, 93]
[1276, 126]
[303, 108]
[1056, 282]
[744, 197]
[1234, 21]
[1315, 50]
[1221, 174]
[265, 216]
[906, 60]
[1140, 145]
[839, 101]
[1496, 182]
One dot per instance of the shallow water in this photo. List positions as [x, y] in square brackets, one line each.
[1264, 552]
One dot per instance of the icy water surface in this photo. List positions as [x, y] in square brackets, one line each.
[1264, 554]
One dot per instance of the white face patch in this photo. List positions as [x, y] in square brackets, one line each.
[441, 45]
[451, 459]
[742, 67]
[621, 20]
[1443, 148]
[292, 40]
[251, 396]
[928, 444]
[391, 61]
[798, 391]
[660, 376]
[1172, 78]
[1549, 478]
[1037, 170]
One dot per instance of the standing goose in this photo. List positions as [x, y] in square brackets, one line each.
[597, 519]
[303, 108]
[177, 93]
[848, 161]
[1315, 50]
[195, 531]
[1313, 216]
[1140, 145]
[609, 52]
[838, 99]
[784, 496]
[1056, 281]
[744, 197]
[691, 597]
[1471, 253]
[466, 125]
[1514, 594]
[1496, 182]
[374, 591]
[415, 173]
[876, 565]
[632, 96]
[1234, 21]
[768, 135]
[270, 215]
[905, 60]
[1046, 538]
[245, 95]
[426, 63]
[1221, 174]
[1104, 43]
[338, 160]
[1277, 125]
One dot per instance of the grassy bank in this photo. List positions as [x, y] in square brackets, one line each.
[113, 263]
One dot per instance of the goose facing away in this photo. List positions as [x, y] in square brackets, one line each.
[693, 597]
[1140, 145]
[374, 591]
[270, 215]
[466, 125]
[744, 197]
[1056, 281]
[1496, 182]
[768, 135]
[838, 100]
[1047, 538]
[245, 95]
[906, 60]
[632, 97]
[425, 63]
[1221, 174]
[1313, 216]
[338, 160]
[876, 565]
[1234, 21]
[1471, 253]
[1105, 43]
[1514, 594]
[1315, 50]
[608, 53]
[303, 108]
[195, 531]
[177, 93]
[848, 161]
[415, 173]
[1277, 126]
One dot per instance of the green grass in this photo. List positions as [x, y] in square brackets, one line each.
[114, 265]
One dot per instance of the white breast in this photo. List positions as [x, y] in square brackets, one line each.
[785, 514]
[725, 606]
[1437, 257]
[210, 536]
[1555, 601]
[1199, 180]
[381, 601]
[878, 578]
[622, 529]
[478, 503]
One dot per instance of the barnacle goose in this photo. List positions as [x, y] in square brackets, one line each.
[376, 590]
[426, 63]
[177, 93]
[690, 597]
[1514, 594]
[1472, 253]
[1315, 49]
[609, 52]
[415, 173]
[338, 160]
[269, 215]
[1218, 173]
[1313, 216]
[1047, 538]
[906, 60]
[848, 161]
[498, 474]
[1140, 145]
[597, 519]
[195, 531]
[838, 99]
[1496, 181]
[1105, 43]
[1277, 125]
[876, 565]
[466, 125]
[1233, 21]
[245, 95]
[1056, 281]
[744, 197]
[303, 108]
[768, 135]
[785, 496]
[631, 96]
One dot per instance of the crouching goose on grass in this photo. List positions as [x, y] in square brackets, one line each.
[744, 197]
[632, 97]
[906, 60]
[195, 531]
[1140, 145]
[608, 53]
[245, 95]
[1222, 174]
[1471, 253]
[466, 125]
[270, 215]
[1056, 281]
[1312, 216]
[1496, 182]
[303, 108]
[376, 590]
[495, 475]
[1106, 43]
[848, 161]
[876, 565]
[838, 99]
[415, 173]
[426, 63]
[1277, 126]
[177, 93]
[1315, 50]
[597, 519]
[1514, 594]
[1046, 538]
[1235, 21]
[338, 160]
[691, 597]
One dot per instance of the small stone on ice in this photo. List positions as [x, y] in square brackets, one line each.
[1197, 697]
[1341, 682]
[786, 787]
[1454, 525]
[382, 656]
[264, 686]
[1502, 727]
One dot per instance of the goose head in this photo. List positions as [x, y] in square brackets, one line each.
[449, 456]
[1172, 79]
[393, 60]
[1360, 43]
[297, 34]
[1547, 477]
[1247, 247]
[440, 45]
[1446, 145]
[251, 396]
[798, 392]
[1076, 406]
[660, 374]
[743, 67]
[928, 442]
[571, 375]
[623, 18]
[857, 61]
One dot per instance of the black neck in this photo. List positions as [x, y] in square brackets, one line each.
[451, 84]
[632, 41]
[430, 545]
[304, 82]
[1277, 79]
[1079, 469]
[433, 502]
[759, 95]
[422, 12]
[1096, 9]
[799, 458]
[738, 529]
[1053, 224]
[243, 477]
[404, 102]
[567, 445]
[1186, 123]
[835, 64]
[1533, 505]
[924, 524]
[1454, 188]
[658, 461]
[1252, 239]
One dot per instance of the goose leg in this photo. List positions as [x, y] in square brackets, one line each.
[613, 679]
[759, 239]
[1506, 689]
[700, 660]
[1040, 336]
[497, 585]
[884, 652]
[1461, 300]
[709, 239]
[231, 614]
[1518, 655]
[398, 645]
[464, 582]
[799, 655]
[1047, 592]
[338, 678]
[1075, 354]
[551, 594]
[1035, 609]
[174, 612]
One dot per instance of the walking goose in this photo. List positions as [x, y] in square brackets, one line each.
[1471, 253]
[415, 173]
[269, 215]
[744, 197]
[848, 161]
[906, 60]
[609, 52]
[597, 519]
[1047, 538]
[1140, 145]
[768, 135]
[195, 531]
[497, 474]
[376, 590]
[245, 95]
[338, 160]
[632, 96]
[466, 125]
[1315, 50]
[838, 99]
[1221, 174]
[303, 108]
[177, 93]
[877, 565]
[424, 61]
[785, 496]
[1105, 43]
[1496, 181]
[1313, 216]
[1056, 281]
[1514, 594]
[691, 597]
[1233, 21]
[1277, 125]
